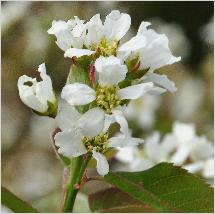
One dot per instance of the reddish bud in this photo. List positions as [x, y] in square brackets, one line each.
[136, 67]
[92, 74]
[77, 186]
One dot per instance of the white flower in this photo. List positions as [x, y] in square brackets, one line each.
[152, 153]
[110, 72]
[107, 95]
[187, 102]
[37, 95]
[85, 133]
[190, 146]
[151, 47]
[142, 110]
[74, 36]
[201, 156]
[181, 147]
[153, 52]
[178, 42]
[183, 135]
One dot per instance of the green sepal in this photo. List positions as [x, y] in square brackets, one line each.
[83, 61]
[51, 111]
[78, 74]
[131, 76]
[133, 73]
[66, 161]
[131, 63]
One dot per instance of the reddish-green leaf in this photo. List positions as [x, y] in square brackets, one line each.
[166, 188]
[113, 200]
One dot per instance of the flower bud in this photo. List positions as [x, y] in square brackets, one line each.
[39, 96]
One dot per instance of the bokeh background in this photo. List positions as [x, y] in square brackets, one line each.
[29, 165]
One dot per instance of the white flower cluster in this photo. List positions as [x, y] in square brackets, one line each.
[182, 147]
[117, 73]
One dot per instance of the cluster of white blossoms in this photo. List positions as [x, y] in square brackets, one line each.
[117, 73]
[182, 147]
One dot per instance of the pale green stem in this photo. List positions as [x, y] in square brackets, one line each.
[76, 171]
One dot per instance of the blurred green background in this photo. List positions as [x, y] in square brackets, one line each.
[29, 165]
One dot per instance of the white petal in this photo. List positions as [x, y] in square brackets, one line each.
[67, 116]
[42, 69]
[188, 130]
[110, 70]
[134, 44]
[157, 53]
[44, 90]
[92, 122]
[208, 171]
[126, 154]
[201, 149]
[157, 90]
[28, 94]
[71, 52]
[141, 164]
[152, 148]
[123, 141]
[78, 94]
[65, 40]
[134, 91]
[181, 155]
[102, 164]
[194, 167]
[143, 28]
[57, 26]
[68, 34]
[169, 143]
[109, 119]
[121, 120]
[95, 31]
[116, 25]
[70, 144]
[63, 34]
[79, 27]
[161, 80]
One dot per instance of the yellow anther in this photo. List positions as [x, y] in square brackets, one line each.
[106, 98]
[98, 142]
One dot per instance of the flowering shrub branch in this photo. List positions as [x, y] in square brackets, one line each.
[105, 76]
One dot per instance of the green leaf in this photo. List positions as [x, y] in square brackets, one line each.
[14, 203]
[166, 188]
[114, 200]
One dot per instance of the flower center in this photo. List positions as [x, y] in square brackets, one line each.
[106, 48]
[106, 98]
[98, 142]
